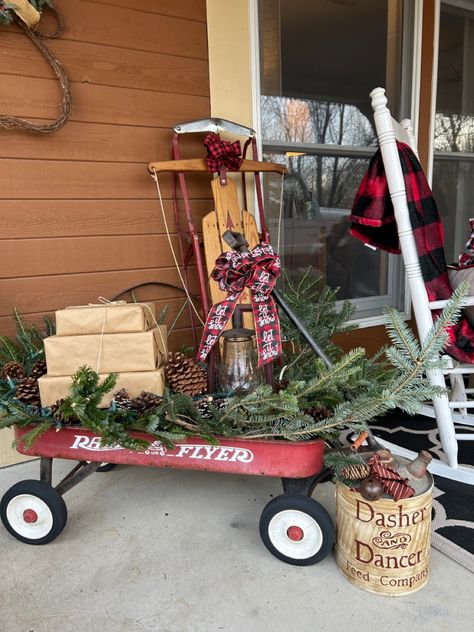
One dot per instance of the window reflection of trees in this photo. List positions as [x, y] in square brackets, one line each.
[454, 132]
[317, 181]
[319, 189]
[314, 121]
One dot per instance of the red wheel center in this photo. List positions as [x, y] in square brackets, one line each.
[295, 533]
[30, 516]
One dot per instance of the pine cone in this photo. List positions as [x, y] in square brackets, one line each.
[146, 401]
[184, 375]
[356, 472]
[13, 370]
[318, 412]
[27, 391]
[204, 404]
[122, 400]
[38, 369]
[280, 385]
[58, 416]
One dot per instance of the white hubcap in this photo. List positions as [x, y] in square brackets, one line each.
[279, 530]
[26, 505]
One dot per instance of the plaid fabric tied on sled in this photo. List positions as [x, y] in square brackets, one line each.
[234, 271]
[221, 154]
[373, 222]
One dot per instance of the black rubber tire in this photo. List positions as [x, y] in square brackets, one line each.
[49, 496]
[106, 467]
[305, 505]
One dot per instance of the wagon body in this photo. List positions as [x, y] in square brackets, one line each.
[293, 526]
[283, 459]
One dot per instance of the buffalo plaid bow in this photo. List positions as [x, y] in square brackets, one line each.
[234, 271]
[373, 222]
[221, 154]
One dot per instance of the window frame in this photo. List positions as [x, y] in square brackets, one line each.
[442, 156]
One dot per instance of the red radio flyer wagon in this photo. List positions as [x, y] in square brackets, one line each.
[293, 526]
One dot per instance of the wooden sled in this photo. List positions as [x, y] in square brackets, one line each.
[227, 214]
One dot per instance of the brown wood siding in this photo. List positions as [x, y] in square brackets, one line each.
[79, 217]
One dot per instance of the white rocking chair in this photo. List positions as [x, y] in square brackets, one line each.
[451, 409]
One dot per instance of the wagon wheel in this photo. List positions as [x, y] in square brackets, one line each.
[33, 512]
[296, 529]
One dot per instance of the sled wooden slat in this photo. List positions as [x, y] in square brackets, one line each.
[189, 165]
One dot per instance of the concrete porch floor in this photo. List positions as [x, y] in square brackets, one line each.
[173, 551]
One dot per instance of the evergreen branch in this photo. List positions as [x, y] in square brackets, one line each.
[398, 359]
[401, 335]
[178, 316]
[437, 336]
[49, 327]
[337, 461]
[338, 370]
[162, 315]
[29, 438]
[351, 392]
[9, 351]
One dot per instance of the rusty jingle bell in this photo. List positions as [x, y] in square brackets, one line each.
[371, 489]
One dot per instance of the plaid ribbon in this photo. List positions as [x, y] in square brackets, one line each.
[222, 154]
[373, 222]
[393, 484]
[234, 271]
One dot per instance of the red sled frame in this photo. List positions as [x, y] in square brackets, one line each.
[189, 243]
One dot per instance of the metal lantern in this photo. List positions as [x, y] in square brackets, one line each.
[238, 371]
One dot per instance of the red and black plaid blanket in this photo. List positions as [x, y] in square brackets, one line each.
[373, 222]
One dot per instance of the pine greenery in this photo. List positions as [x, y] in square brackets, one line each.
[359, 388]
[354, 390]
[28, 347]
[337, 460]
[315, 305]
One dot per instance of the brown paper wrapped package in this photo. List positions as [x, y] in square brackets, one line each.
[54, 388]
[119, 353]
[113, 318]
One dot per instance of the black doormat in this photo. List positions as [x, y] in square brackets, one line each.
[453, 502]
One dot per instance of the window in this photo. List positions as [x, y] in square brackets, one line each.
[319, 60]
[453, 168]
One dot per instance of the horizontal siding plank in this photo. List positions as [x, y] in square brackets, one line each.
[96, 141]
[182, 338]
[190, 9]
[372, 340]
[174, 306]
[123, 27]
[179, 337]
[80, 218]
[39, 98]
[72, 255]
[106, 65]
[46, 179]
[46, 294]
